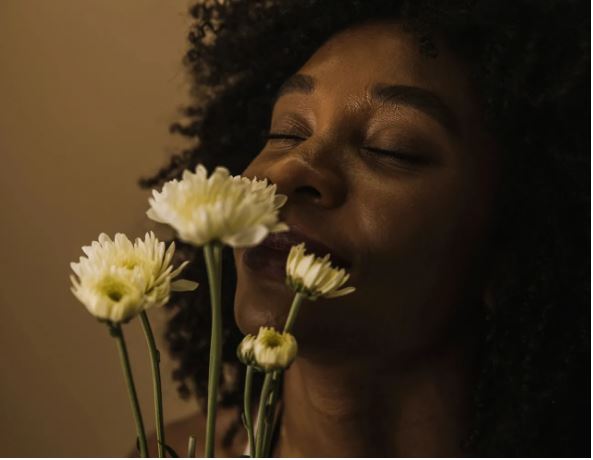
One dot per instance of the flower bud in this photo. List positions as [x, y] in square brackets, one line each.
[245, 350]
[273, 350]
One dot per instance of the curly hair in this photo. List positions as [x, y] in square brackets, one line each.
[530, 60]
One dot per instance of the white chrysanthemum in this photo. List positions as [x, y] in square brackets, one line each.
[245, 349]
[273, 350]
[118, 279]
[110, 293]
[314, 276]
[236, 210]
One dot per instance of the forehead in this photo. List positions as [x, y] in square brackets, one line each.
[382, 52]
[381, 47]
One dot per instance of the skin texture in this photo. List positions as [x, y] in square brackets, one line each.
[388, 369]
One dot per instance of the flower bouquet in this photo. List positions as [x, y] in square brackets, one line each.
[118, 280]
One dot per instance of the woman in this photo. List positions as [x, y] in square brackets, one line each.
[441, 155]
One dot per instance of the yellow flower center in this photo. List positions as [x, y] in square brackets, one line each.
[272, 339]
[115, 295]
[129, 263]
[113, 288]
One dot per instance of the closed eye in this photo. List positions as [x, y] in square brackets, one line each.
[284, 136]
[412, 159]
[398, 155]
[280, 141]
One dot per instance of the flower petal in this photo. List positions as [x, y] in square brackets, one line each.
[340, 293]
[314, 276]
[183, 285]
[280, 227]
[248, 237]
[152, 214]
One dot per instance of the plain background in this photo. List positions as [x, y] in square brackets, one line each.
[87, 92]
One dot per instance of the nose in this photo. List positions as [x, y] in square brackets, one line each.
[306, 179]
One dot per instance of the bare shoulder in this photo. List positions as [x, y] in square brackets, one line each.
[177, 434]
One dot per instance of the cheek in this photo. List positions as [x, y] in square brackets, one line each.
[422, 242]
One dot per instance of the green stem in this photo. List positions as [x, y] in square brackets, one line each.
[294, 309]
[247, 409]
[212, 254]
[272, 425]
[118, 334]
[191, 447]
[261, 414]
[265, 439]
[156, 383]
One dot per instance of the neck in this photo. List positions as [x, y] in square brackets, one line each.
[359, 408]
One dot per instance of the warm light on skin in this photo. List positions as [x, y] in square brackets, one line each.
[416, 233]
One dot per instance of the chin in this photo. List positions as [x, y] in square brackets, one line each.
[259, 304]
[259, 300]
[249, 319]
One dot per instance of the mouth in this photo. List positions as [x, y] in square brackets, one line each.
[269, 257]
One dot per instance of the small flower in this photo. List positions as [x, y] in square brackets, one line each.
[314, 276]
[273, 350]
[155, 260]
[245, 350]
[117, 279]
[236, 210]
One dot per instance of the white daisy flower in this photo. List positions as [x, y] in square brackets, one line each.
[235, 210]
[118, 279]
[273, 350]
[314, 276]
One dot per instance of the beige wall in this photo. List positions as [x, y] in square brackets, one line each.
[87, 90]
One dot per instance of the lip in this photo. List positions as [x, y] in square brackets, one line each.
[269, 257]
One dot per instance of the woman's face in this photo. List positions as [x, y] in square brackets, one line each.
[384, 160]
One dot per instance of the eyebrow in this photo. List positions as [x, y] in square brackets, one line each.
[394, 95]
[297, 83]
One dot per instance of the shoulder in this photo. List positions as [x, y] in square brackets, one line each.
[177, 435]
